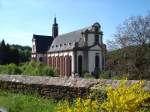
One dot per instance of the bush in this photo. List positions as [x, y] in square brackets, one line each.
[13, 69]
[2, 68]
[122, 99]
[98, 92]
[49, 71]
[88, 75]
[28, 68]
[125, 99]
[9, 69]
[37, 68]
[104, 75]
[79, 105]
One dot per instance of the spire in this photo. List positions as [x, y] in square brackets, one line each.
[55, 28]
[55, 21]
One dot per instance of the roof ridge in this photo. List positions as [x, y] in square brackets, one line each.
[82, 29]
[41, 35]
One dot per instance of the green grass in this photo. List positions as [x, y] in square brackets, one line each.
[13, 102]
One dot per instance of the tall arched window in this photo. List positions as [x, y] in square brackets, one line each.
[40, 59]
[80, 65]
[97, 61]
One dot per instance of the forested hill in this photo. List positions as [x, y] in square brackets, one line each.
[14, 53]
[132, 61]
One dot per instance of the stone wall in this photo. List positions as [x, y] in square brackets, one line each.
[55, 87]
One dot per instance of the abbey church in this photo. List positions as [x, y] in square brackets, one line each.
[72, 53]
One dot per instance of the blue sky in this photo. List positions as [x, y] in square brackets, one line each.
[20, 19]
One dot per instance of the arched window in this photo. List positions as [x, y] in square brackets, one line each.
[41, 59]
[97, 61]
[80, 65]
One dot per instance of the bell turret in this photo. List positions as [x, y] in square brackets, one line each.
[55, 29]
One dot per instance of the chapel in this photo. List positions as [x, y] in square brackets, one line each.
[77, 52]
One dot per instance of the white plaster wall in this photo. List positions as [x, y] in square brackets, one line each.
[33, 56]
[91, 60]
[44, 57]
[33, 44]
[79, 53]
[96, 47]
[90, 39]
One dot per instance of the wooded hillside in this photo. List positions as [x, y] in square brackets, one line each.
[14, 53]
[129, 62]
[132, 39]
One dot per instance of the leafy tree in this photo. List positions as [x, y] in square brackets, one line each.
[133, 39]
[24, 52]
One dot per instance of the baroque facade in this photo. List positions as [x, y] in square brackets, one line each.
[78, 52]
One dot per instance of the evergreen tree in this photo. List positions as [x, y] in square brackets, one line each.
[2, 52]
[8, 55]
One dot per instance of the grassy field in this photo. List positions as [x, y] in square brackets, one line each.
[25, 103]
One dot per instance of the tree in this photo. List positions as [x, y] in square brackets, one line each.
[7, 54]
[14, 53]
[24, 52]
[134, 31]
[133, 37]
[3, 59]
[112, 45]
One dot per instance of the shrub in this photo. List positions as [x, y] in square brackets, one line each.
[88, 75]
[48, 71]
[125, 99]
[28, 68]
[37, 68]
[79, 105]
[2, 68]
[104, 75]
[9, 69]
[98, 92]
[122, 99]
[13, 69]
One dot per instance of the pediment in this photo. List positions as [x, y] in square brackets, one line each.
[96, 47]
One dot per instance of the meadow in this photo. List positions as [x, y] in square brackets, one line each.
[17, 102]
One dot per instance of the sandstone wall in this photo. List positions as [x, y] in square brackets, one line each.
[55, 87]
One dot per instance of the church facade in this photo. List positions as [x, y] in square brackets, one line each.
[72, 53]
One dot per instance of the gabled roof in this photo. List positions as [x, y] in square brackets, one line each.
[42, 42]
[67, 41]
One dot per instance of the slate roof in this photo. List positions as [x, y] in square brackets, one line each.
[67, 41]
[42, 43]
